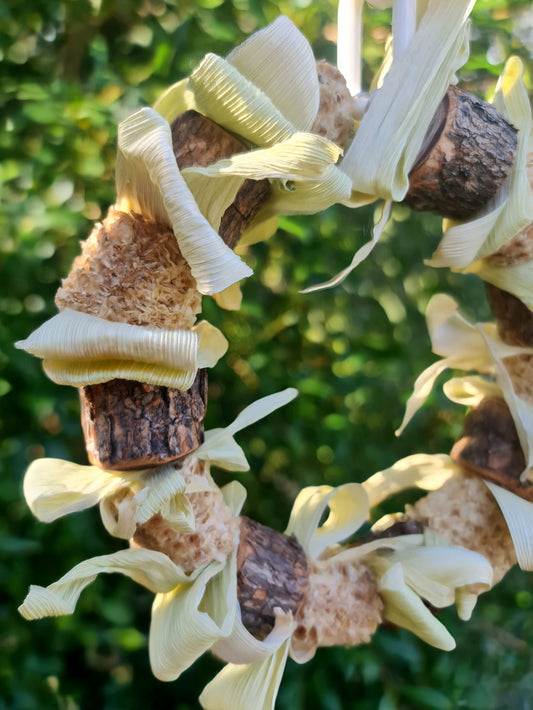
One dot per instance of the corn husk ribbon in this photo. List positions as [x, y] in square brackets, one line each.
[80, 349]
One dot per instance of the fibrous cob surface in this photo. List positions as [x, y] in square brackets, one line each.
[336, 113]
[340, 607]
[216, 532]
[465, 513]
[131, 270]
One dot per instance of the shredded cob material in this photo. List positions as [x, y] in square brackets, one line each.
[336, 113]
[216, 532]
[341, 607]
[131, 270]
[465, 513]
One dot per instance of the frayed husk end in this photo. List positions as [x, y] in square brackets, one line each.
[131, 270]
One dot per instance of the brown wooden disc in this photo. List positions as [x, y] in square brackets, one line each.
[490, 447]
[467, 155]
[131, 425]
[272, 572]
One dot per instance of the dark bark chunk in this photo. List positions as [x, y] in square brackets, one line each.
[271, 572]
[513, 318]
[130, 425]
[466, 157]
[490, 447]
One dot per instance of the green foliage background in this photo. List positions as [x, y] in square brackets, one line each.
[71, 70]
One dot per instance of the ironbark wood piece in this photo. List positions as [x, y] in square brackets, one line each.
[402, 525]
[513, 318]
[467, 155]
[131, 425]
[198, 141]
[490, 447]
[272, 572]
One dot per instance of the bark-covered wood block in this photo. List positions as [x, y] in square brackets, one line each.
[466, 156]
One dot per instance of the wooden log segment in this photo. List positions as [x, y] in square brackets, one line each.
[513, 318]
[272, 572]
[129, 424]
[490, 447]
[466, 156]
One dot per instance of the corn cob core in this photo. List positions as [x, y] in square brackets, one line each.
[340, 608]
[131, 270]
[216, 532]
[465, 513]
[336, 113]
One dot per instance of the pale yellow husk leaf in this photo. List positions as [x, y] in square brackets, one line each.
[358, 553]
[465, 603]
[515, 279]
[223, 94]
[463, 346]
[175, 100]
[150, 183]
[165, 494]
[300, 156]
[518, 514]
[392, 130]
[261, 228]
[511, 209]
[435, 573]
[348, 510]
[189, 619]
[82, 374]
[118, 516]
[521, 409]
[72, 335]
[149, 568]
[230, 298]
[241, 687]
[280, 62]
[381, 220]
[54, 488]
[404, 608]
[427, 471]
[241, 647]
[470, 391]
[221, 449]
[81, 349]
[512, 101]
[304, 180]
[309, 196]
[212, 198]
